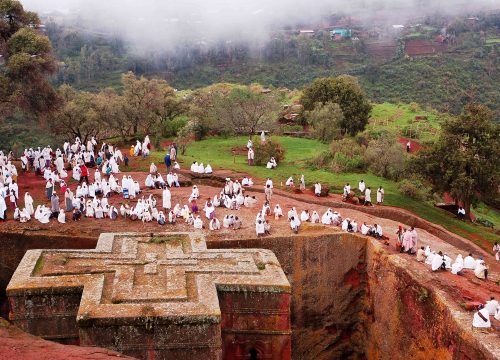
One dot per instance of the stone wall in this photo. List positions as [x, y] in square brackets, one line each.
[14, 245]
[327, 275]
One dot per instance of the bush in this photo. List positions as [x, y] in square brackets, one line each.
[172, 128]
[386, 158]
[320, 161]
[414, 107]
[344, 163]
[264, 152]
[293, 128]
[414, 188]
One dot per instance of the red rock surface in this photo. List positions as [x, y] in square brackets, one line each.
[15, 344]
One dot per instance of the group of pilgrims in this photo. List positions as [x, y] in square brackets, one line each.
[90, 199]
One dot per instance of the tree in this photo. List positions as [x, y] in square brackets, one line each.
[465, 161]
[79, 116]
[325, 120]
[344, 91]
[245, 111]
[28, 60]
[146, 102]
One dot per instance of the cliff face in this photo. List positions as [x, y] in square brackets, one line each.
[350, 299]
[409, 318]
[328, 279]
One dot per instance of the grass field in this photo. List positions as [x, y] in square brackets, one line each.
[217, 152]
[400, 120]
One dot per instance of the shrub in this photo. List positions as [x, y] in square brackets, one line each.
[172, 128]
[264, 152]
[386, 158]
[321, 160]
[344, 163]
[414, 189]
[414, 107]
[293, 128]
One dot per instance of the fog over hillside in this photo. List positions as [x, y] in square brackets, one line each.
[167, 23]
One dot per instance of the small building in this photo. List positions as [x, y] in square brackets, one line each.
[306, 33]
[340, 33]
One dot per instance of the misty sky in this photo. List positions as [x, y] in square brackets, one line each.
[165, 23]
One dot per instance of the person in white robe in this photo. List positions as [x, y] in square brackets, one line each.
[294, 224]
[362, 186]
[214, 224]
[491, 305]
[368, 196]
[317, 189]
[262, 137]
[304, 215]
[469, 262]
[278, 212]
[166, 199]
[176, 166]
[481, 319]
[149, 182]
[438, 262]
[481, 270]
[209, 209]
[365, 229]
[61, 217]
[24, 216]
[153, 169]
[208, 169]
[260, 228]
[201, 169]
[198, 223]
[456, 268]
[28, 203]
[194, 166]
[195, 193]
[380, 195]
[42, 214]
[315, 217]
[293, 213]
[326, 219]
[289, 182]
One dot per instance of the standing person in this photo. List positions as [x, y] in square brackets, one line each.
[54, 205]
[302, 183]
[3, 208]
[269, 193]
[166, 197]
[368, 196]
[362, 186]
[173, 152]
[496, 251]
[251, 156]
[49, 188]
[380, 195]
[168, 161]
[408, 146]
[13, 199]
[84, 174]
[317, 189]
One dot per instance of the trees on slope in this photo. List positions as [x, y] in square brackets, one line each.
[465, 161]
[28, 61]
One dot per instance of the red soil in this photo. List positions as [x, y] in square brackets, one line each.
[415, 146]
